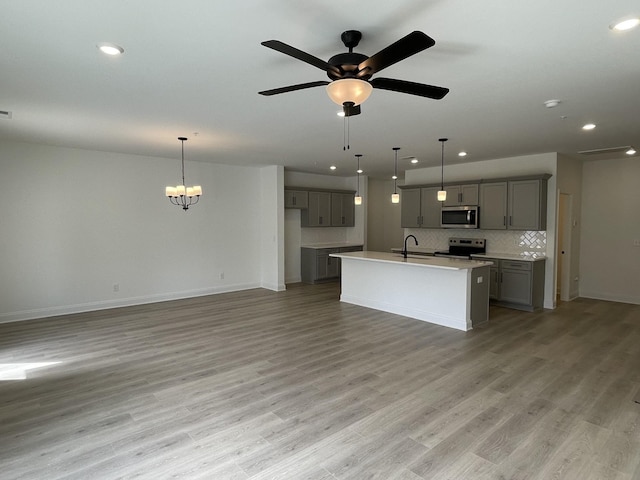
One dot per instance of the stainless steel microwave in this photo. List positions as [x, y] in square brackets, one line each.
[459, 217]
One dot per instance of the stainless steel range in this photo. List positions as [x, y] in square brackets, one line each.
[464, 247]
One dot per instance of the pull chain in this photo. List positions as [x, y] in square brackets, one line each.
[345, 133]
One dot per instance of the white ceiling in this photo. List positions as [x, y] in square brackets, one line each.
[197, 65]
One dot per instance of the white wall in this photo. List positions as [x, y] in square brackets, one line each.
[296, 236]
[77, 222]
[502, 168]
[610, 262]
[272, 227]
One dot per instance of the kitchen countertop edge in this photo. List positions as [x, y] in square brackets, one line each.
[418, 261]
[511, 256]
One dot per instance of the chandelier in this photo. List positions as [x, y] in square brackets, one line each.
[181, 195]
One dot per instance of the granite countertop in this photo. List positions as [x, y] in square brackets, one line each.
[416, 261]
[332, 245]
[416, 250]
[527, 257]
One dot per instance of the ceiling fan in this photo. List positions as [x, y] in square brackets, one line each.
[351, 72]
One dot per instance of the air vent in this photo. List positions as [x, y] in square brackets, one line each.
[5, 114]
[600, 151]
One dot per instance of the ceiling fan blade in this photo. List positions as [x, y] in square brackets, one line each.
[405, 47]
[411, 88]
[293, 88]
[300, 55]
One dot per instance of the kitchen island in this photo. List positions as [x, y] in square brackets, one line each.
[449, 292]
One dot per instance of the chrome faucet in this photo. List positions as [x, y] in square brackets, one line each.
[404, 251]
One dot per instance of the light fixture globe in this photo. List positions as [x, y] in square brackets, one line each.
[349, 90]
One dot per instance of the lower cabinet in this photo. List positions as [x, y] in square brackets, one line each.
[517, 284]
[317, 265]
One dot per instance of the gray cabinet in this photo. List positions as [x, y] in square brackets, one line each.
[517, 284]
[296, 199]
[514, 205]
[420, 208]
[318, 213]
[318, 266]
[527, 204]
[410, 208]
[493, 206]
[320, 207]
[461, 195]
[342, 209]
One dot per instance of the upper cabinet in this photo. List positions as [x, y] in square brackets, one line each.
[296, 199]
[322, 208]
[461, 195]
[514, 204]
[410, 214]
[493, 206]
[527, 204]
[342, 209]
[504, 204]
[420, 207]
[318, 214]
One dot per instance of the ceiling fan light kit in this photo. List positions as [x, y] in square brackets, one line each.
[351, 90]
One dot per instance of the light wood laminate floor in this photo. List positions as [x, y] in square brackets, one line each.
[295, 385]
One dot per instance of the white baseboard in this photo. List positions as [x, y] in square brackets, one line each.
[611, 297]
[121, 302]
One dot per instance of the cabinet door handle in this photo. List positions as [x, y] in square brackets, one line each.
[343, 220]
[510, 220]
[294, 200]
[418, 220]
[320, 220]
[504, 220]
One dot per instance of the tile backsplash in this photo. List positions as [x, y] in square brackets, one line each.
[498, 241]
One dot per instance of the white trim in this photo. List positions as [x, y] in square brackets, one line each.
[124, 302]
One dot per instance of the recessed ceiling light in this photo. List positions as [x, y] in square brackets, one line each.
[589, 126]
[110, 48]
[414, 160]
[631, 151]
[340, 113]
[552, 103]
[625, 24]
[462, 154]
[359, 170]
[332, 167]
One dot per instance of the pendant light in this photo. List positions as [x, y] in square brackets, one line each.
[180, 195]
[357, 200]
[442, 193]
[395, 198]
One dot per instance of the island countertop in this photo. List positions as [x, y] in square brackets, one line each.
[532, 257]
[417, 261]
[416, 250]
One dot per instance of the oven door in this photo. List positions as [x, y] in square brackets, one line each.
[459, 217]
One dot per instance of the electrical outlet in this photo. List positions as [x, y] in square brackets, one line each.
[480, 279]
[116, 287]
[636, 242]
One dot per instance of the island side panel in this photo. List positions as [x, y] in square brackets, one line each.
[434, 295]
